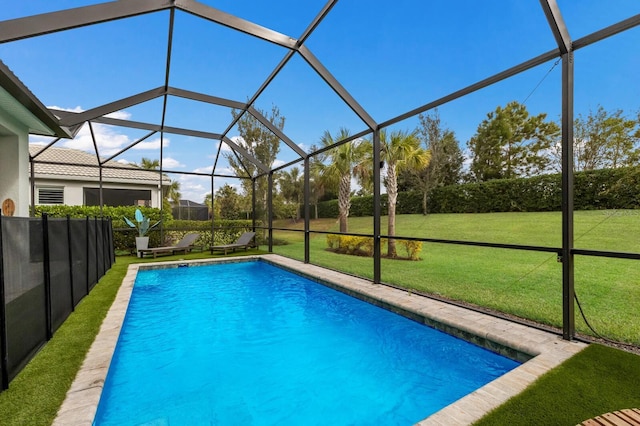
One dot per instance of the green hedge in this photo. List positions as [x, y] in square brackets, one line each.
[596, 189]
[226, 231]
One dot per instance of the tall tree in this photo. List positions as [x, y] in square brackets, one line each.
[170, 193]
[511, 143]
[264, 145]
[228, 202]
[316, 185]
[149, 164]
[214, 209]
[341, 161]
[605, 140]
[445, 166]
[292, 188]
[400, 151]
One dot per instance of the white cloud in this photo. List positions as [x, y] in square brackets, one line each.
[107, 139]
[194, 188]
[123, 161]
[225, 171]
[239, 140]
[153, 144]
[122, 115]
[277, 163]
[206, 169]
[39, 140]
[171, 163]
[75, 109]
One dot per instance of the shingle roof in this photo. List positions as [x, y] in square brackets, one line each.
[74, 164]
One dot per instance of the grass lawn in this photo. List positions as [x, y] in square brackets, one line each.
[523, 283]
[599, 380]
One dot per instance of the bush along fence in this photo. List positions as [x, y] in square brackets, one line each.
[363, 246]
[593, 190]
[225, 231]
[47, 265]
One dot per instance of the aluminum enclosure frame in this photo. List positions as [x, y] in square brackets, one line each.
[40, 25]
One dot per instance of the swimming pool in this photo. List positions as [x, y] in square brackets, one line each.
[249, 343]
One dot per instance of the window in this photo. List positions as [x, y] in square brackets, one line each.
[117, 197]
[50, 195]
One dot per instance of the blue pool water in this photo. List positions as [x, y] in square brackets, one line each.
[252, 344]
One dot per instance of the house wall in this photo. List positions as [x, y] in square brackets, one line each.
[14, 164]
[74, 190]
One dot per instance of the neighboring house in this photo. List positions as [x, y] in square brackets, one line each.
[72, 177]
[21, 114]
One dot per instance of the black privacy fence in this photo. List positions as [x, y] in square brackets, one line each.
[47, 265]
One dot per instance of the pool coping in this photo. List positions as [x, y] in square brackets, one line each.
[543, 350]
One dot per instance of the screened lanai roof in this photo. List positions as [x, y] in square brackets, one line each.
[159, 78]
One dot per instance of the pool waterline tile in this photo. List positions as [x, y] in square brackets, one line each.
[543, 350]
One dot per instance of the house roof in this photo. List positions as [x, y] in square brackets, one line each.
[73, 164]
[18, 101]
[189, 203]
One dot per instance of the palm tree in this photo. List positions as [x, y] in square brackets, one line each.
[341, 159]
[292, 187]
[173, 192]
[400, 151]
[316, 185]
[149, 164]
[170, 192]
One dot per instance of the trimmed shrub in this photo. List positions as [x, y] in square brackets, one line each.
[413, 248]
[363, 246]
[594, 189]
[226, 231]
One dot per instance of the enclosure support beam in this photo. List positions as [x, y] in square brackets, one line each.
[253, 204]
[270, 209]
[33, 188]
[306, 201]
[90, 114]
[213, 226]
[377, 210]
[95, 147]
[558, 27]
[4, 357]
[568, 290]
[47, 275]
[46, 23]
[269, 125]
[70, 253]
[337, 87]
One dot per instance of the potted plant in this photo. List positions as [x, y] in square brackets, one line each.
[142, 225]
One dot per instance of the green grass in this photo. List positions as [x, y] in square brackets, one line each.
[34, 396]
[596, 381]
[523, 283]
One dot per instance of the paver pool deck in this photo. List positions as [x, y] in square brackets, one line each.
[543, 350]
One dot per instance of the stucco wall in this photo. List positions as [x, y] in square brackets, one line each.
[14, 164]
[74, 190]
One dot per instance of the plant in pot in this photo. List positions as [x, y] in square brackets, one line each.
[142, 225]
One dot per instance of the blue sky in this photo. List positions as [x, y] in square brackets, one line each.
[391, 59]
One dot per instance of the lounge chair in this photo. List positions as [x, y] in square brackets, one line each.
[244, 241]
[185, 245]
